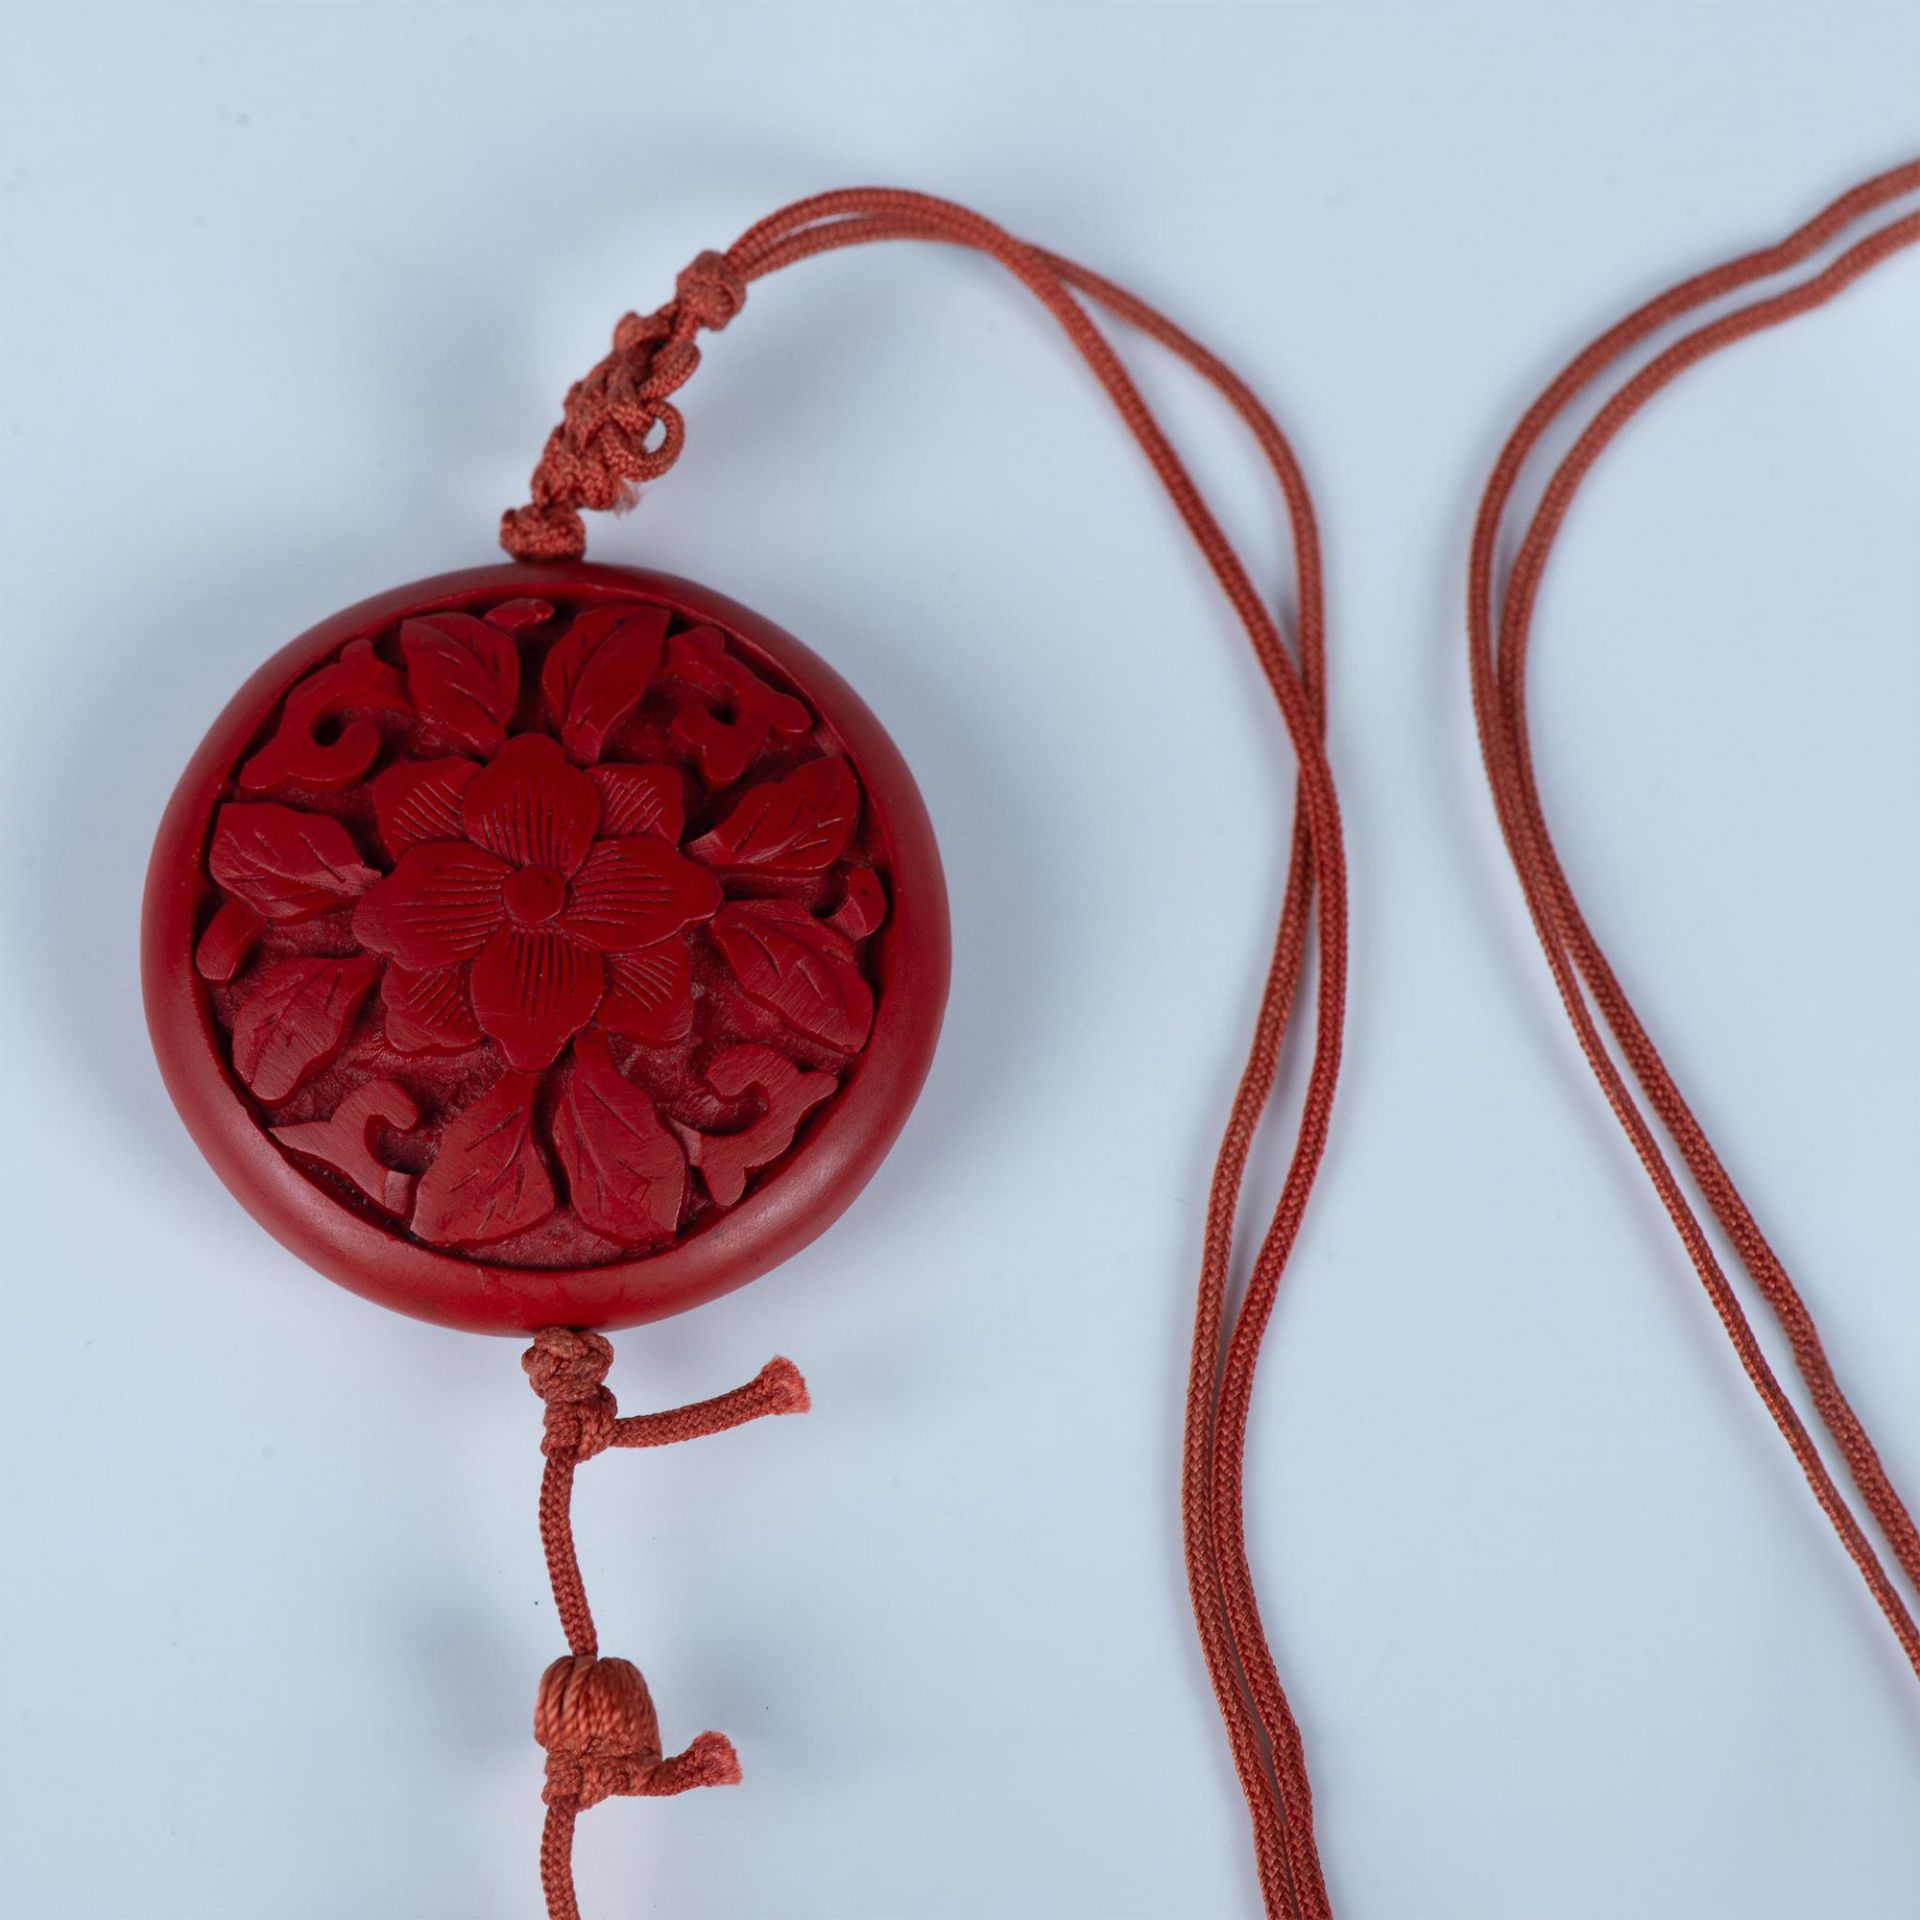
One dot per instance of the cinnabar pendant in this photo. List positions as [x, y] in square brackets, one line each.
[545, 946]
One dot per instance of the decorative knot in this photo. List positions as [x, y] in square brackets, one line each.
[711, 289]
[568, 1370]
[619, 427]
[597, 1722]
[543, 533]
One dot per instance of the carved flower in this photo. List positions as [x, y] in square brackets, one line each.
[528, 896]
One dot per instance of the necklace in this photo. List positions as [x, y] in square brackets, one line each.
[550, 947]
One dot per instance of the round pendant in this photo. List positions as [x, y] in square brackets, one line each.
[539, 946]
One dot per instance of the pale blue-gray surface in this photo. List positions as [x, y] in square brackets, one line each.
[290, 298]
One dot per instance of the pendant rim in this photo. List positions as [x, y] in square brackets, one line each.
[466, 1290]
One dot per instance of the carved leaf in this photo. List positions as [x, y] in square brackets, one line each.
[641, 800]
[864, 907]
[797, 825]
[598, 670]
[627, 1173]
[464, 675]
[296, 1021]
[359, 679]
[229, 938]
[512, 615]
[726, 1159]
[285, 864]
[345, 1141]
[488, 1180]
[795, 966]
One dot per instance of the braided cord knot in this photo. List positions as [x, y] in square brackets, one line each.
[710, 288]
[597, 1722]
[568, 1371]
[619, 427]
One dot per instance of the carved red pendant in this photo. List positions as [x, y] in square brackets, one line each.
[540, 946]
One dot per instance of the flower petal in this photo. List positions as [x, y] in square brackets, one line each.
[529, 806]
[533, 989]
[429, 1012]
[418, 801]
[632, 893]
[439, 905]
[641, 800]
[650, 994]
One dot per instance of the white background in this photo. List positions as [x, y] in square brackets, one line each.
[291, 298]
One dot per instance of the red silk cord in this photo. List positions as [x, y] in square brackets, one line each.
[1499, 626]
[619, 428]
[595, 1716]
